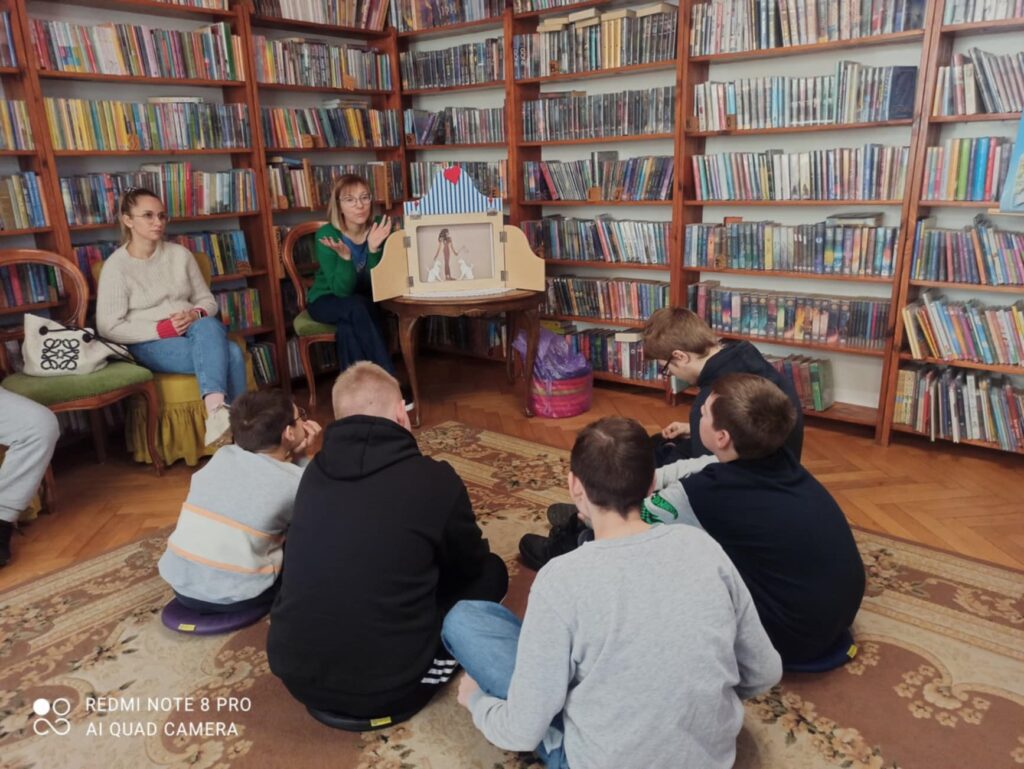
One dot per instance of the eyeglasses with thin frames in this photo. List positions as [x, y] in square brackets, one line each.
[363, 200]
[302, 415]
[665, 370]
[149, 216]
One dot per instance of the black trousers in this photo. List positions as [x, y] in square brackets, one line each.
[264, 599]
[669, 450]
[358, 325]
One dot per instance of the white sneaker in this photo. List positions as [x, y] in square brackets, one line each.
[218, 426]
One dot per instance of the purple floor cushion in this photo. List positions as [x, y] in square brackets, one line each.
[184, 620]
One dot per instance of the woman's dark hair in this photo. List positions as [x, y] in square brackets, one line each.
[443, 235]
[258, 419]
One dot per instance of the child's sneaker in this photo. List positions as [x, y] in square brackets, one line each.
[218, 426]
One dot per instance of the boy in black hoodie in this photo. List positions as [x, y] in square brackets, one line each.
[383, 542]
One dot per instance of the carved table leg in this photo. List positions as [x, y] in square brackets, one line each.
[530, 319]
[510, 353]
[407, 340]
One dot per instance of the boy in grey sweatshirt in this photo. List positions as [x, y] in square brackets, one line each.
[578, 681]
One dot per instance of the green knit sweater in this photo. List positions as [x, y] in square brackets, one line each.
[336, 275]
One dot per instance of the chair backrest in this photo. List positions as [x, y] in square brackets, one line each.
[288, 248]
[203, 260]
[73, 305]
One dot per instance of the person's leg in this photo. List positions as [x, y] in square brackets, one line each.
[210, 355]
[358, 333]
[263, 600]
[328, 309]
[29, 431]
[490, 585]
[237, 384]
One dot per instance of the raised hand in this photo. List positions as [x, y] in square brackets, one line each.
[337, 246]
[311, 429]
[379, 233]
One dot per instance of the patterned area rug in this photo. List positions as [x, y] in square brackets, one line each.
[939, 681]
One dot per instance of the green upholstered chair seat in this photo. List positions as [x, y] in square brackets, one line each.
[306, 326]
[50, 391]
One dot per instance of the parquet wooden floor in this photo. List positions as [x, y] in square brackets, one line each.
[967, 500]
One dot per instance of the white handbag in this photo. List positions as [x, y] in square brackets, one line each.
[53, 349]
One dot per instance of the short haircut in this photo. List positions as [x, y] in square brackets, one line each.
[676, 328]
[365, 388]
[344, 182]
[129, 200]
[258, 418]
[757, 414]
[614, 460]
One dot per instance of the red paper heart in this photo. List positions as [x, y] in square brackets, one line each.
[452, 174]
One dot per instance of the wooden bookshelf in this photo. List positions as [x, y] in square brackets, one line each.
[321, 89]
[294, 150]
[795, 203]
[21, 308]
[155, 8]
[895, 38]
[909, 430]
[796, 275]
[592, 265]
[607, 376]
[621, 323]
[998, 368]
[871, 352]
[49, 74]
[560, 9]
[595, 73]
[452, 88]
[1018, 290]
[983, 27]
[599, 140]
[846, 412]
[984, 117]
[595, 202]
[925, 203]
[130, 153]
[803, 128]
[480, 25]
[455, 147]
[171, 220]
[316, 28]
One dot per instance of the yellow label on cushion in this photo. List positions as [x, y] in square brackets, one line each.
[852, 651]
[375, 722]
[187, 628]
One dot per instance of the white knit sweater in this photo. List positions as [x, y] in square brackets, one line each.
[136, 294]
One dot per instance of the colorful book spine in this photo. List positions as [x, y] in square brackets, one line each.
[599, 240]
[15, 129]
[978, 254]
[965, 331]
[348, 126]
[967, 169]
[811, 378]
[299, 184]
[360, 14]
[322, 65]
[490, 177]
[424, 14]
[21, 202]
[240, 309]
[605, 299]
[607, 178]
[966, 11]
[263, 365]
[566, 116]
[25, 284]
[7, 57]
[466, 64]
[455, 125]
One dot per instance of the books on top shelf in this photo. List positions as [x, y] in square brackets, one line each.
[21, 202]
[489, 176]
[727, 26]
[966, 331]
[613, 299]
[958, 405]
[7, 58]
[302, 62]
[602, 177]
[215, 5]
[525, 6]
[871, 172]
[455, 125]
[363, 14]
[965, 11]
[595, 41]
[609, 350]
[240, 309]
[424, 14]
[299, 184]
[577, 115]
[466, 64]
[22, 284]
[15, 130]
[80, 124]
[978, 254]
[840, 245]
[811, 379]
[207, 53]
[602, 239]
[791, 317]
[338, 123]
[966, 169]
[1012, 199]
[980, 82]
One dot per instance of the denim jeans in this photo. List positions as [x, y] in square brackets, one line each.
[483, 637]
[203, 350]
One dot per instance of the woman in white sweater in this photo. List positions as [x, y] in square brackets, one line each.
[152, 297]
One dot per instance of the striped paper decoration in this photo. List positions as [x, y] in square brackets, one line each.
[452, 192]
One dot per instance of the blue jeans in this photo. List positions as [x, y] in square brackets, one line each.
[204, 350]
[357, 329]
[483, 637]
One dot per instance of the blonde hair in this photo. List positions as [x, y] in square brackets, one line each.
[129, 200]
[367, 389]
[345, 181]
[676, 328]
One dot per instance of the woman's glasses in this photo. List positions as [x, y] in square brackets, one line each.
[363, 200]
[149, 216]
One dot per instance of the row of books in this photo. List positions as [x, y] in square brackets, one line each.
[963, 11]
[641, 178]
[527, 6]
[836, 246]
[15, 130]
[605, 299]
[978, 254]
[22, 284]
[857, 322]
[966, 331]
[263, 366]
[348, 124]
[185, 191]
[7, 57]
[364, 14]
[485, 337]
[299, 184]
[980, 82]
[182, 124]
[602, 239]
[967, 169]
[727, 26]
[482, 62]
[811, 378]
[21, 202]
[216, 5]
[240, 309]
[207, 53]
[489, 176]
[576, 115]
[595, 41]
[455, 125]
[424, 14]
[298, 61]
[324, 357]
[871, 172]
[855, 94]
[958, 405]
[609, 350]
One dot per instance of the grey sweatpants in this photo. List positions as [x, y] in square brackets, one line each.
[29, 431]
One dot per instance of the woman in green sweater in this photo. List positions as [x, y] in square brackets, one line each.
[342, 295]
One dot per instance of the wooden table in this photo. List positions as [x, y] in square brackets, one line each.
[523, 308]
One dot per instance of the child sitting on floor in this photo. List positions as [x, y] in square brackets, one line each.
[225, 553]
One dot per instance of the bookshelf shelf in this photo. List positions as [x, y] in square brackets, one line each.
[28, 231]
[466, 146]
[607, 376]
[597, 321]
[968, 286]
[560, 9]
[494, 22]
[17, 153]
[959, 203]
[994, 367]
[287, 150]
[796, 203]
[153, 7]
[803, 128]
[984, 117]
[450, 88]
[130, 153]
[909, 430]
[867, 351]
[297, 25]
[798, 275]
[238, 276]
[592, 73]
[895, 38]
[142, 80]
[256, 331]
[600, 140]
[321, 89]
[983, 27]
[9, 71]
[28, 307]
[595, 202]
[172, 220]
[607, 265]
[846, 412]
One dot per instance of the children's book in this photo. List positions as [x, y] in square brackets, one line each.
[1013, 190]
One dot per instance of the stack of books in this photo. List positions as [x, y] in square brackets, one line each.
[297, 61]
[967, 169]
[609, 350]
[489, 176]
[978, 254]
[455, 125]
[979, 82]
[363, 14]
[603, 177]
[337, 123]
[603, 239]
[21, 202]
[240, 309]
[575, 115]
[423, 14]
[965, 331]
[605, 299]
[811, 379]
[465, 64]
